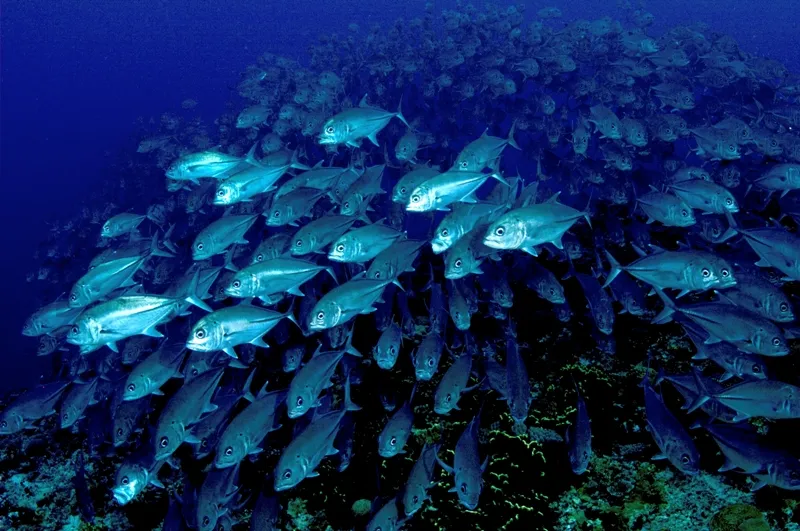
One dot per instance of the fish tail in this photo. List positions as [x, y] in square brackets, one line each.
[348, 403]
[616, 269]
[192, 297]
[703, 395]
[669, 308]
[399, 113]
[510, 139]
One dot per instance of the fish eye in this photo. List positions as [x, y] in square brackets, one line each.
[464, 164]
[204, 443]
[729, 201]
[206, 520]
[755, 369]
[195, 372]
[500, 230]
[731, 147]
[685, 213]
[393, 441]
[402, 189]
[415, 198]
[430, 362]
[329, 129]
[124, 480]
[221, 193]
[321, 315]
[75, 329]
[276, 214]
[463, 488]
[299, 401]
[784, 307]
[340, 248]
[458, 263]
[65, 416]
[260, 258]
[132, 387]
[164, 442]
[287, 474]
[552, 291]
[685, 459]
[725, 273]
[774, 143]
[448, 398]
[415, 499]
[377, 274]
[200, 246]
[776, 341]
[613, 127]
[706, 273]
[346, 204]
[73, 297]
[200, 334]
[445, 232]
[715, 231]
[228, 451]
[298, 243]
[236, 284]
[392, 350]
[4, 424]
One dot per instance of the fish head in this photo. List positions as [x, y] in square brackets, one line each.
[47, 344]
[343, 249]
[351, 204]
[206, 335]
[85, 331]
[579, 456]
[401, 192]
[303, 243]
[648, 45]
[109, 229]
[326, 314]
[769, 342]
[299, 401]
[290, 471]
[292, 357]
[80, 295]
[685, 458]
[230, 451]
[386, 353]
[68, 415]
[468, 485]
[11, 422]
[334, 132]
[458, 264]
[131, 479]
[781, 310]
[390, 443]
[508, 232]
[32, 327]
[444, 400]
[421, 199]
[203, 247]
[682, 216]
[277, 215]
[227, 194]
[122, 431]
[444, 237]
[243, 284]
[170, 434]
[414, 495]
[425, 365]
[137, 386]
[785, 473]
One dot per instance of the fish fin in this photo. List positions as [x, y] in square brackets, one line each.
[510, 139]
[530, 250]
[682, 293]
[157, 392]
[230, 352]
[373, 137]
[259, 342]
[669, 308]
[616, 269]
[112, 345]
[152, 332]
[658, 457]
[348, 403]
[296, 291]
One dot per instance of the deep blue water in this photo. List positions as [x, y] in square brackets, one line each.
[76, 75]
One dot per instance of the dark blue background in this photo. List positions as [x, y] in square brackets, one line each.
[76, 75]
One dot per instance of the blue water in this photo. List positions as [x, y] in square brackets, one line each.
[76, 75]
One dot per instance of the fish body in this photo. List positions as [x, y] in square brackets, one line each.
[218, 236]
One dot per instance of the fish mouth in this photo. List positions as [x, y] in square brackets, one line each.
[438, 246]
[325, 140]
[121, 496]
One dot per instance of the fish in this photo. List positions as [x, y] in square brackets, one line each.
[452, 385]
[184, 409]
[34, 404]
[579, 438]
[237, 325]
[147, 376]
[669, 435]
[349, 127]
[218, 236]
[300, 459]
[420, 480]
[272, 277]
[467, 466]
[454, 186]
[345, 302]
[319, 233]
[526, 228]
[394, 436]
[387, 349]
[484, 152]
[364, 243]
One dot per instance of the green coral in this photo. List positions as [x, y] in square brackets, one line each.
[361, 507]
[739, 517]
[297, 511]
